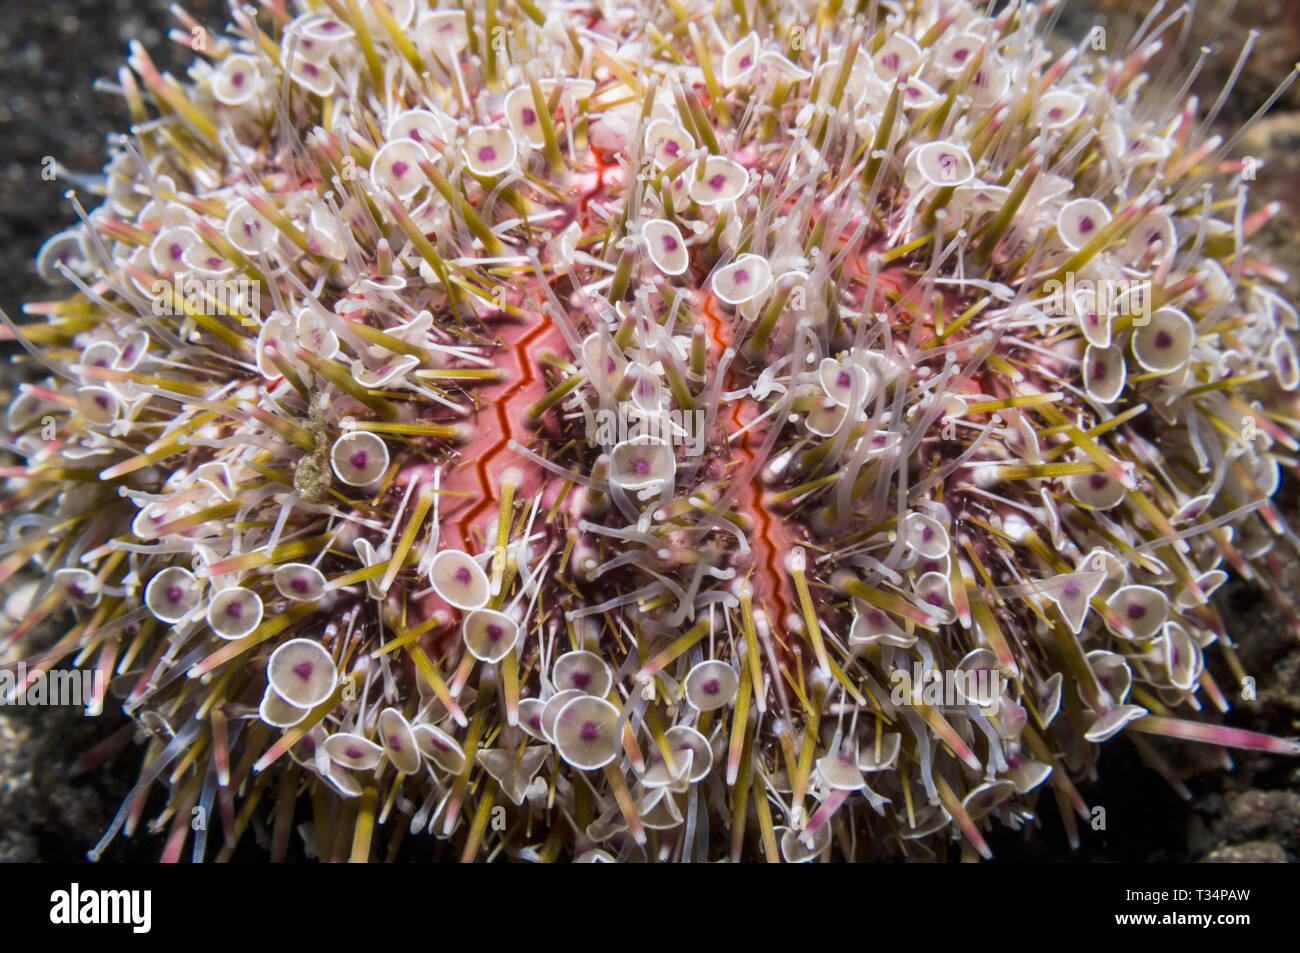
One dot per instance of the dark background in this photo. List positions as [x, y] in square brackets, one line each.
[51, 52]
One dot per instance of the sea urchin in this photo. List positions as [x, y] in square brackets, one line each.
[584, 431]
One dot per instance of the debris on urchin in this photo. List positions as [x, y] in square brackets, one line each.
[665, 433]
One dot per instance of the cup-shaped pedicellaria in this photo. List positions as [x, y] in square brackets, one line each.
[399, 741]
[711, 685]
[172, 594]
[440, 748]
[489, 635]
[584, 671]
[586, 732]
[359, 458]
[1165, 342]
[352, 751]
[551, 712]
[302, 673]
[299, 582]
[490, 151]
[459, 579]
[666, 246]
[277, 712]
[234, 612]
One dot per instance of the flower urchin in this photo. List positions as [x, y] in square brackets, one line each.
[598, 433]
